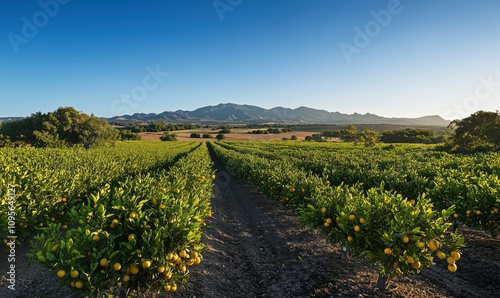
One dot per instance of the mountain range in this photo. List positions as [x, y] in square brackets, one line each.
[235, 113]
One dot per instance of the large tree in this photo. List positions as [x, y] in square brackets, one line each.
[351, 134]
[479, 132]
[63, 127]
[369, 137]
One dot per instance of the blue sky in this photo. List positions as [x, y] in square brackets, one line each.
[392, 58]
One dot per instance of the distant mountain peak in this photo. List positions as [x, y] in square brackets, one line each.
[237, 113]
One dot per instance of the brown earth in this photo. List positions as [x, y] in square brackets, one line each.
[256, 248]
[239, 134]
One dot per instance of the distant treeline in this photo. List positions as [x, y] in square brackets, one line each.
[370, 136]
[160, 125]
[480, 132]
[271, 130]
[155, 126]
[411, 135]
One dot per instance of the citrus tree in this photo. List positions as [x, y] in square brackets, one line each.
[395, 235]
[141, 234]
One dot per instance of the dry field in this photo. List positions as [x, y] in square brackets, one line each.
[236, 134]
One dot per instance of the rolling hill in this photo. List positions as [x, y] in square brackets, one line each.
[235, 113]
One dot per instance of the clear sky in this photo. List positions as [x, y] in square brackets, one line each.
[392, 58]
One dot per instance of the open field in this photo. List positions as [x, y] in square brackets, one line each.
[236, 134]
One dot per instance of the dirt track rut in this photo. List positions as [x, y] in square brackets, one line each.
[253, 251]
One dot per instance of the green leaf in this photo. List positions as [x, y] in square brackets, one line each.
[93, 266]
[50, 256]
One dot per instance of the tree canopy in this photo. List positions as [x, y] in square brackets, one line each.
[412, 135]
[479, 132]
[168, 137]
[63, 127]
[351, 134]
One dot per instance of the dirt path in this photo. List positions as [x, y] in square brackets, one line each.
[254, 249]
[258, 249]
